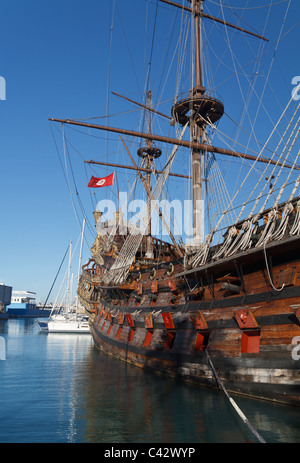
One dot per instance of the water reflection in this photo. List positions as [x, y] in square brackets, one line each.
[126, 404]
[59, 388]
[69, 352]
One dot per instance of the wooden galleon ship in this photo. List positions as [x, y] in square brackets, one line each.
[166, 304]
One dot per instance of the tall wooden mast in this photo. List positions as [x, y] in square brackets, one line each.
[148, 151]
[196, 133]
[198, 109]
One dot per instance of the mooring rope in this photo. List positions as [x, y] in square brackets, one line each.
[233, 403]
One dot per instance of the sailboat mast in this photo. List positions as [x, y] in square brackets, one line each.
[69, 273]
[81, 245]
[80, 258]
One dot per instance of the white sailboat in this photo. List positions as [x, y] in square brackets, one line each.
[68, 323]
[67, 319]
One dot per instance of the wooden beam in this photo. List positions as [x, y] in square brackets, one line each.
[141, 169]
[142, 105]
[174, 141]
[204, 15]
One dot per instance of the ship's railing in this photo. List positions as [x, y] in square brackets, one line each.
[89, 276]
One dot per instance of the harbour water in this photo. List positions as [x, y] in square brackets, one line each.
[57, 388]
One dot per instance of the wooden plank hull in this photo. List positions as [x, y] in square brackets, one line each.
[271, 374]
[252, 335]
[258, 379]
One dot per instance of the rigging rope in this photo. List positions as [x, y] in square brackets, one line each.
[55, 278]
[120, 268]
[232, 402]
[249, 8]
[296, 226]
[269, 275]
[240, 240]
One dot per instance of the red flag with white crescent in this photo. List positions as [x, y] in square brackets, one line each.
[97, 182]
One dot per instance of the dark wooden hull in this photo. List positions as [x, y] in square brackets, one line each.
[246, 375]
[251, 335]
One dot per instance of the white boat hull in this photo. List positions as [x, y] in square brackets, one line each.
[66, 326]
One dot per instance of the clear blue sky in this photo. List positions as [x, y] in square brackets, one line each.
[54, 58]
